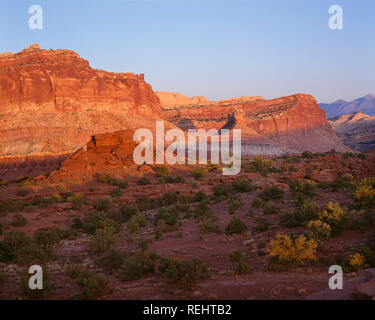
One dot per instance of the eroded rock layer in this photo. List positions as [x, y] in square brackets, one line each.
[53, 101]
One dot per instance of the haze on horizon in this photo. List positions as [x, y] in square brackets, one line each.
[218, 49]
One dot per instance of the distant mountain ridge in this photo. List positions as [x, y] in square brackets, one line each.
[365, 105]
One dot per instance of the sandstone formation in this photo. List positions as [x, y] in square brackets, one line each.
[171, 100]
[53, 101]
[355, 130]
[105, 153]
[289, 124]
[14, 167]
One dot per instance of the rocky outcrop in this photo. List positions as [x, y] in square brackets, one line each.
[360, 287]
[171, 100]
[292, 124]
[53, 101]
[355, 130]
[14, 167]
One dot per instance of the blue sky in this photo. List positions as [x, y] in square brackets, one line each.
[217, 49]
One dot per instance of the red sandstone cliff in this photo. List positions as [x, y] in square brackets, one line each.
[53, 101]
[293, 124]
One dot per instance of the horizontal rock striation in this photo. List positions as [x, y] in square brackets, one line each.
[53, 101]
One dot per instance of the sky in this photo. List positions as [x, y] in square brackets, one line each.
[213, 48]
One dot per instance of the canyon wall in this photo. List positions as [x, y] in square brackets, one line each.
[53, 101]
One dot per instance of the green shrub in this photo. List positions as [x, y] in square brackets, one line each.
[235, 226]
[241, 266]
[144, 181]
[309, 210]
[141, 264]
[208, 225]
[271, 193]
[258, 202]
[134, 225]
[165, 215]
[305, 187]
[77, 201]
[184, 272]
[117, 192]
[22, 192]
[198, 173]
[271, 208]
[242, 186]
[112, 260]
[162, 171]
[102, 204]
[234, 204]
[126, 212]
[103, 240]
[262, 225]
[91, 222]
[92, 285]
[19, 221]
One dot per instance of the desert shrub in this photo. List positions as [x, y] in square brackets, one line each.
[91, 222]
[17, 240]
[222, 190]
[305, 187]
[307, 155]
[356, 262]
[103, 240]
[112, 260]
[19, 221]
[208, 225]
[169, 218]
[241, 266]
[242, 186]
[335, 216]
[271, 208]
[102, 204]
[198, 173]
[77, 201]
[234, 204]
[262, 225]
[106, 178]
[22, 192]
[184, 272]
[144, 181]
[46, 238]
[126, 212]
[77, 223]
[364, 195]
[285, 250]
[142, 263]
[103, 177]
[117, 192]
[134, 225]
[309, 210]
[264, 167]
[201, 210]
[235, 226]
[342, 182]
[162, 171]
[271, 193]
[169, 198]
[319, 230]
[199, 196]
[121, 184]
[92, 285]
[258, 202]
